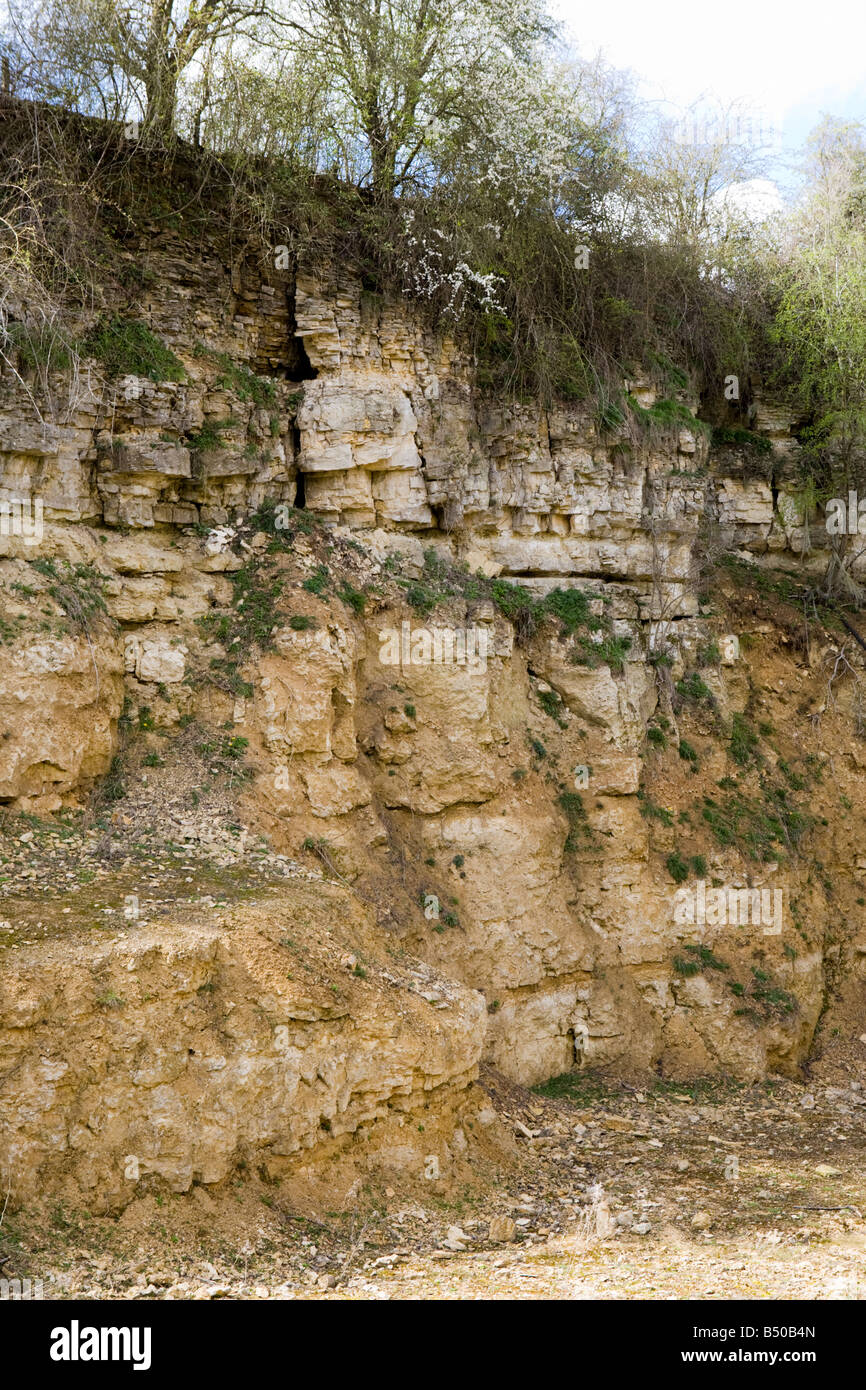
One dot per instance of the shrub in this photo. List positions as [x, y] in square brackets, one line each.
[651, 811]
[708, 654]
[677, 867]
[692, 687]
[744, 741]
[575, 812]
[706, 958]
[552, 706]
[243, 382]
[128, 347]
[78, 588]
[728, 437]
[610, 651]
[352, 597]
[570, 606]
[317, 582]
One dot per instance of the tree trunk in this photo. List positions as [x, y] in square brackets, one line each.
[161, 92]
[161, 74]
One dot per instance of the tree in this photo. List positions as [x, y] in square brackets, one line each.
[402, 74]
[690, 169]
[834, 166]
[820, 322]
[123, 59]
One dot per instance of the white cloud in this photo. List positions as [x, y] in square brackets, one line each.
[777, 56]
[759, 198]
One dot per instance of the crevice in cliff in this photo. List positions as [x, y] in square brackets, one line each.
[300, 479]
[573, 577]
[269, 297]
[299, 368]
[300, 491]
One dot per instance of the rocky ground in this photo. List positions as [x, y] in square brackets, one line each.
[602, 1189]
[612, 1193]
[73, 870]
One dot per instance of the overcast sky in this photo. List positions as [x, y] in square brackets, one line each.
[793, 60]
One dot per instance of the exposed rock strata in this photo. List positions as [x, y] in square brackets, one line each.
[376, 426]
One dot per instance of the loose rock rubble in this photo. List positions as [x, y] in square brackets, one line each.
[614, 1193]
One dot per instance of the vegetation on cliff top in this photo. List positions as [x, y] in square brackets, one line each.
[451, 151]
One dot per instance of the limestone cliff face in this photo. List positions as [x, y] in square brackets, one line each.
[523, 796]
